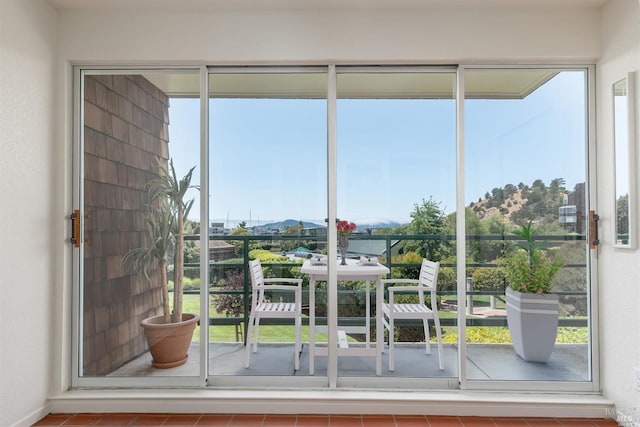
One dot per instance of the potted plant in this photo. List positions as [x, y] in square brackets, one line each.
[168, 335]
[532, 312]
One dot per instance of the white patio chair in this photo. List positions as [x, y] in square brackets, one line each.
[392, 310]
[261, 307]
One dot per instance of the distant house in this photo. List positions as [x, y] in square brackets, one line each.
[301, 252]
[373, 247]
[219, 250]
[216, 228]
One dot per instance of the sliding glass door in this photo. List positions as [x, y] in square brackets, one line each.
[267, 202]
[396, 181]
[526, 141]
[299, 167]
[137, 131]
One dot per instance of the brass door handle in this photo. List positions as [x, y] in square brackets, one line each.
[75, 228]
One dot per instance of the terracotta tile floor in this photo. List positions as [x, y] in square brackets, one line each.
[258, 420]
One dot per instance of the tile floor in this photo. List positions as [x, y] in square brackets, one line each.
[271, 420]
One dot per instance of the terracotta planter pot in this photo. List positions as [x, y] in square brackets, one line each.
[533, 324]
[169, 342]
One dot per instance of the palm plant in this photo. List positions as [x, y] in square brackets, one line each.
[160, 224]
[166, 229]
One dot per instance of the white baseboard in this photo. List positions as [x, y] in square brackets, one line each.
[462, 403]
[32, 417]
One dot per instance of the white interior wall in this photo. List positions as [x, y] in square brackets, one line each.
[619, 269]
[441, 36]
[296, 37]
[27, 199]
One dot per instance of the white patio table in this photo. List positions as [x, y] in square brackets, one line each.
[354, 271]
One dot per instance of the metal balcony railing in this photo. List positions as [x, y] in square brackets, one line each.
[240, 263]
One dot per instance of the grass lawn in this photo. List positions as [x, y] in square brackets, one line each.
[227, 333]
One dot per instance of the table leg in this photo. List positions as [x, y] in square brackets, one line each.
[379, 327]
[367, 321]
[312, 325]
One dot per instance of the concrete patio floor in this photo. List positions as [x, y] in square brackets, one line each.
[497, 362]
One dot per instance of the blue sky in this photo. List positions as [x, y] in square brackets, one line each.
[268, 156]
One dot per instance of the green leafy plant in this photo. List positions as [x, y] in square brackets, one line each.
[165, 218]
[528, 267]
[232, 304]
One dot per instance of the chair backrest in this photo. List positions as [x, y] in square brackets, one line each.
[257, 280]
[428, 277]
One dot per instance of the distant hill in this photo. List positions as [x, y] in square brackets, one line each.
[281, 225]
[365, 223]
[512, 203]
[362, 224]
[518, 203]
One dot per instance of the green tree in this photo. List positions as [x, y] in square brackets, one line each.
[192, 249]
[293, 230]
[622, 218]
[428, 218]
[509, 190]
[474, 228]
[240, 230]
[494, 224]
[542, 202]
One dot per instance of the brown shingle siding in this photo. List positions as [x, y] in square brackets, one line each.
[125, 133]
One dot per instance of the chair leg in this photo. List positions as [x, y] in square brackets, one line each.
[391, 344]
[436, 320]
[248, 344]
[256, 332]
[427, 336]
[298, 349]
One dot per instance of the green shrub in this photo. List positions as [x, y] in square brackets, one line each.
[488, 279]
[231, 305]
[406, 272]
[191, 284]
[500, 335]
[266, 256]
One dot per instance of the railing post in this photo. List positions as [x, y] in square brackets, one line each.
[247, 293]
[469, 297]
[388, 257]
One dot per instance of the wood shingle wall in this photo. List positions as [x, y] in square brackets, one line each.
[125, 134]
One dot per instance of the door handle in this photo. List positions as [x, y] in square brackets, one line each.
[593, 229]
[75, 228]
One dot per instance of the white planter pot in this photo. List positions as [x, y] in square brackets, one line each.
[533, 324]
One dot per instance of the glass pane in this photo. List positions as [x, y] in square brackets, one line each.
[397, 183]
[267, 201]
[623, 160]
[525, 141]
[134, 133]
